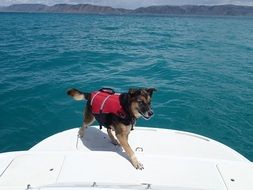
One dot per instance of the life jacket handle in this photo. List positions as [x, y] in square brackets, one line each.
[107, 90]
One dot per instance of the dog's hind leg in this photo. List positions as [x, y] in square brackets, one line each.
[88, 120]
[113, 139]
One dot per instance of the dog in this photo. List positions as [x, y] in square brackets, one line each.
[117, 112]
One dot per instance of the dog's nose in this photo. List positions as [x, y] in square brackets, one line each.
[150, 113]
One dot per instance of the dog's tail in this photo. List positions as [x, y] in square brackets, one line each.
[78, 95]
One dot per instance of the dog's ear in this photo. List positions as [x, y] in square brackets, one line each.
[134, 92]
[150, 91]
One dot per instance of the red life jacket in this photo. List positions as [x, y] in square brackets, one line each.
[105, 102]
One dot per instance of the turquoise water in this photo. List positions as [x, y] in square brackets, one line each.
[201, 66]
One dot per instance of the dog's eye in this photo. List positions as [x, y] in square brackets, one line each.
[141, 102]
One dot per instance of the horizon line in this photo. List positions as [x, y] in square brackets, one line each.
[126, 8]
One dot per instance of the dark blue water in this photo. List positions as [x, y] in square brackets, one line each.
[201, 66]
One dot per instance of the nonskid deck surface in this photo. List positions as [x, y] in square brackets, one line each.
[172, 160]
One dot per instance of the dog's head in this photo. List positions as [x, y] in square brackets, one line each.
[140, 102]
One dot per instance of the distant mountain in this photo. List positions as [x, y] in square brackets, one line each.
[85, 8]
[232, 10]
[25, 8]
[63, 8]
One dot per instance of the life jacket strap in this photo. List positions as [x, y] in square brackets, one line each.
[102, 107]
[91, 102]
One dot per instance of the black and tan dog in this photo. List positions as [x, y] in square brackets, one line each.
[116, 111]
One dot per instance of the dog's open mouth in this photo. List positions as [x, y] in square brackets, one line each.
[147, 115]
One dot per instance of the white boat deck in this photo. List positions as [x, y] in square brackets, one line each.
[172, 160]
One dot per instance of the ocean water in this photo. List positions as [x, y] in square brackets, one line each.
[202, 68]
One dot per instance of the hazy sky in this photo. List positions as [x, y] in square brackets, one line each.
[132, 3]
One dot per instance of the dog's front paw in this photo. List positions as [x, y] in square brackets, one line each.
[137, 164]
